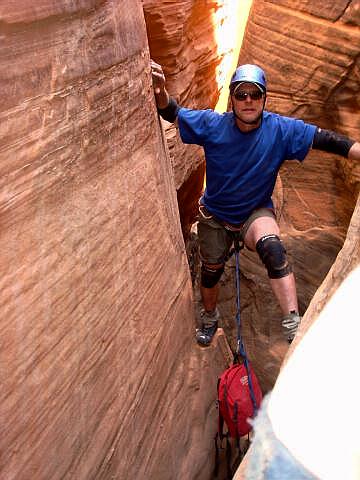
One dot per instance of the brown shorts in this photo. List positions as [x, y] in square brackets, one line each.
[215, 240]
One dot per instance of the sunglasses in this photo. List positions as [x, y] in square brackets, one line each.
[255, 95]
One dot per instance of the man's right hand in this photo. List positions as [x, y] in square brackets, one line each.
[158, 78]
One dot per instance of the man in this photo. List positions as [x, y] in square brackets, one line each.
[244, 150]
[282, 446]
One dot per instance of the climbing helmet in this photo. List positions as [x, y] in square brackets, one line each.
[248, 74]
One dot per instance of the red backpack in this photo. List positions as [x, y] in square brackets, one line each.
[236, 406]
[234, 400]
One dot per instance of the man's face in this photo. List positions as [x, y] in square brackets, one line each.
[248, 103]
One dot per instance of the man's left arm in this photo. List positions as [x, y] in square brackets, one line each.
[333, 142]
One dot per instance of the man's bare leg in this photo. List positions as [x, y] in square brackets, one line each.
[209, 297]
[285, 292]
[284, 288]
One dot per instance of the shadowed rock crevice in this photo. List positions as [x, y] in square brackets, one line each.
[187, 194]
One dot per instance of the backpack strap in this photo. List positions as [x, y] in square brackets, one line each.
[219, 435]
[218, 441]
[220, 432]
[228, 459]
[218, 444]
[221, 426]
[240, 453]
[217, 456]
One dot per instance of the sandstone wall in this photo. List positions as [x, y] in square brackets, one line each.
[100, 377]
[311, 57]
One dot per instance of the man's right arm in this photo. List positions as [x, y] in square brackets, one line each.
[193, 124]
[166, 105]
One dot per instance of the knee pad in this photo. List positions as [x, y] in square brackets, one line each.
[210, 276]
[273, 255]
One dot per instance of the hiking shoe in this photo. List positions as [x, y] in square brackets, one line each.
[209, 325]
[290, 325]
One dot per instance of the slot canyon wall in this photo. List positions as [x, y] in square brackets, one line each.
[100, 375]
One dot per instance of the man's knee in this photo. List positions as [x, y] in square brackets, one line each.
[273, 255]
[259, 223]
[210, 275]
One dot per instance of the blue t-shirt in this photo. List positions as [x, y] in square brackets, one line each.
[241, 168]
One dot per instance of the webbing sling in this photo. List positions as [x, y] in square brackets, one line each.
[240, 350]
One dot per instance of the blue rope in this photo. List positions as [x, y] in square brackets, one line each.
[240, 345]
